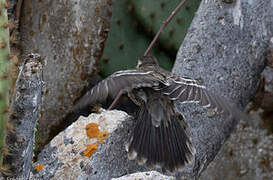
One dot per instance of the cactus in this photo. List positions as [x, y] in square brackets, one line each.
[4, 69]
[152, 13]
[125, 44]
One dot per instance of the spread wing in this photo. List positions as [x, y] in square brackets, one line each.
[119, 81]
[186, 90]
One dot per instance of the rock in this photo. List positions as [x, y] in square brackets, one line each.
[65, 156]
[110, 160]
[150, 175]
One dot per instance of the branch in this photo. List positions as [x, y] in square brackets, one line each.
[224, 48]
[25, 109]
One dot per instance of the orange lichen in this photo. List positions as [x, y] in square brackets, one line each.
[102, 136]
[92, 130]
[39, 167]
[90, 150]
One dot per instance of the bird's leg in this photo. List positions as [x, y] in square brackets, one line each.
[115, 100]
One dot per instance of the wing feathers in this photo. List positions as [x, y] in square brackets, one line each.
[120, 81]
[189, 91]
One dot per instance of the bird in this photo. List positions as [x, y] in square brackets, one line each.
[160, 137]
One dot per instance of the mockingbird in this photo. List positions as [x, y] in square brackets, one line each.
[159, 137]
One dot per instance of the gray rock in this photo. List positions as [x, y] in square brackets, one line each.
[65, 156]
[150, 175]
[70, 37]
[110, 161]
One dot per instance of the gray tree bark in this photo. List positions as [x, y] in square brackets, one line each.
[70, 37]
[224, 47]
[25, 110]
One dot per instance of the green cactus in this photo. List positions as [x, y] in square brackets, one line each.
[4, 68]
[152, 13]
[125, 43]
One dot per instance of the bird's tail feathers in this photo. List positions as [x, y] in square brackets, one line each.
[167, 146]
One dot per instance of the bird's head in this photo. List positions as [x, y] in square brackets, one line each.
[146, 61]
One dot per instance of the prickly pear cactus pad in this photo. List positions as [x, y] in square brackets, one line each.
[126, 42]
[4, 66]
[152, 13]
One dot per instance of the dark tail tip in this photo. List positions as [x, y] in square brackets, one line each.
[167, 146]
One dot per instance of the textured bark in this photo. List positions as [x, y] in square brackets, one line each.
[224, 48]
[70, 37]
[25, 109]
[247, 155]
